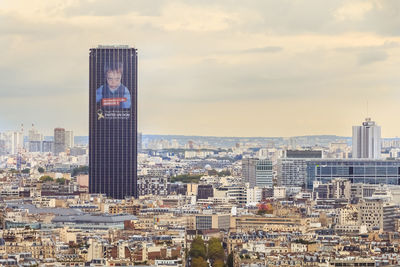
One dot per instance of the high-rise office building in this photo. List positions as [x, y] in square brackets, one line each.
[13, 141]
[367, 140]
[59, 140]
[292, 168]
[35, 140]
[249, 171]
[257, 172]
[113, 121]
[47, 146]
[264, 175]
[69, 139]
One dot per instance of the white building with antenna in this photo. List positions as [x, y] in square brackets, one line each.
[367, 140]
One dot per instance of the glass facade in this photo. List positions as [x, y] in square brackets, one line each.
[264, 174]
[357, 171]
[113, 121]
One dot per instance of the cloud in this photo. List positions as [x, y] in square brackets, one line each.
[116, 8]
[201, 63]
[365, 58]
[383, 18]
[265, 49]
[370, 53]
[357, 48]
[353, 10]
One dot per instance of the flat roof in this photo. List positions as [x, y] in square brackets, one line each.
[113, 46]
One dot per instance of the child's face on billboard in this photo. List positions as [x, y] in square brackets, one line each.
[114, 79]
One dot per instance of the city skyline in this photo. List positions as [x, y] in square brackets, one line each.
[211, 69]
[181, 133]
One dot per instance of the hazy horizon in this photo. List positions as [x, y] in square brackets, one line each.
[217, 136]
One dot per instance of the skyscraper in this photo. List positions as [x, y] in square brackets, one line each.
[59, 140]
[113, 121]
[69, 139]
[35, 140]
[367, 140]
[249, 171]
[13, 142]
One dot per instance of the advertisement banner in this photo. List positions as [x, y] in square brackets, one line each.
[113, 98]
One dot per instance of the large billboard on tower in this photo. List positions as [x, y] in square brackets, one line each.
[113, 97]
[113, 121]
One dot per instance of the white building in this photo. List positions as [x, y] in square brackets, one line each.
[253, 195]
[13, 141]
[367, 140]
[35, 140]
[279, 192]
[376, 213]
[69, 139]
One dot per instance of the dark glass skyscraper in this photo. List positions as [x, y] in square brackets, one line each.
[113, 121]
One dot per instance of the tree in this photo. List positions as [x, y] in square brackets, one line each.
[198, 248]
[199, 262]
[224, 173]
[186, 178]
[80, 170]
[212, 172]
[60, 180]
[229, 261]
[215, 250]
[46, 178]
[26, 171]
[218, 263]
[40, 170]
[265, 209]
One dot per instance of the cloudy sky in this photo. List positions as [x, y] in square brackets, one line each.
[224, 68]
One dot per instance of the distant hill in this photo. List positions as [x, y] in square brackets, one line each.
[309, 140]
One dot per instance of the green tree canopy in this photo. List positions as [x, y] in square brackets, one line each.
[26, 171]
[40, 170]
[218, 263]
[186, 178]
[199, 262]
[80, 170]
[46, 178]
[198, 248]
[60, 180]
[224, 173]
[215, 250]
